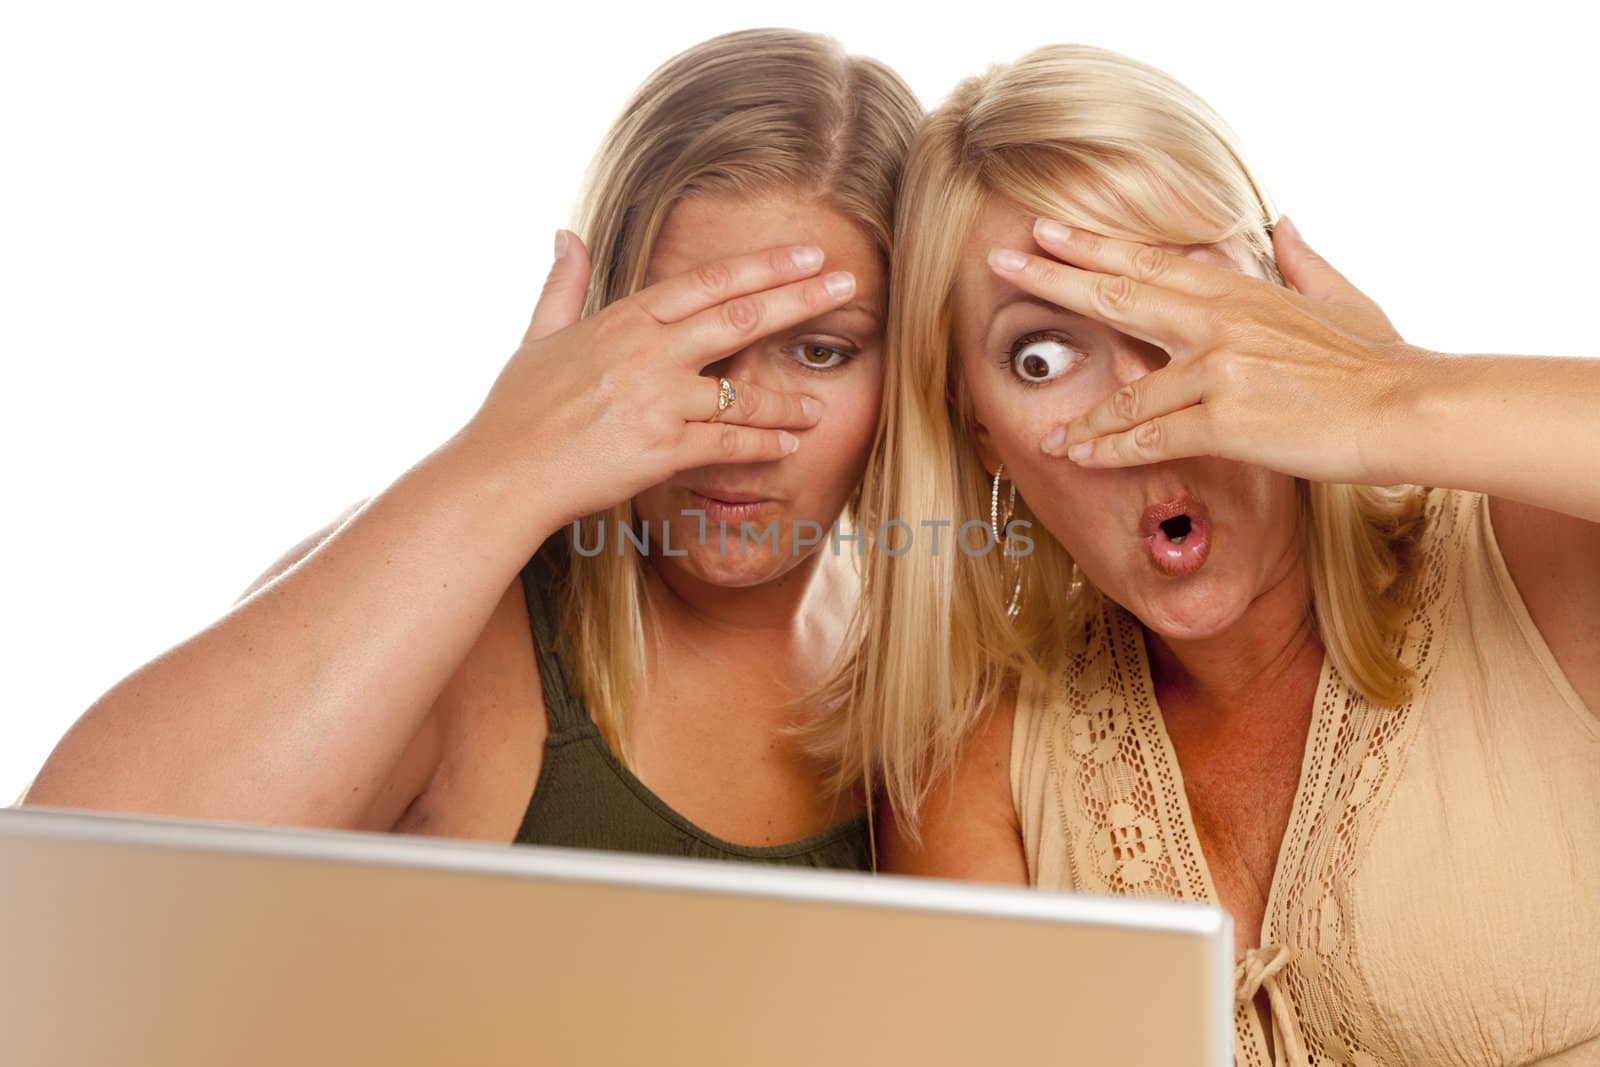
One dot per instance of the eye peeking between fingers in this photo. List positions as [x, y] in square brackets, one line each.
[819, 356]
[1038, 358]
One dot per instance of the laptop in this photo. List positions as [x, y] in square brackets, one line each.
[136, 941]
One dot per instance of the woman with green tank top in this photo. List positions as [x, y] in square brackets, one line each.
[597, 614]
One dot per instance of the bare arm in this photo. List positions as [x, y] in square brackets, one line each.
[968, 827]
[301, 550]
[1524, 430]
[298, 704]
[1554, 561]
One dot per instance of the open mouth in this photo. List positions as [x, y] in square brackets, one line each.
[1177, 535]
[1177, 529]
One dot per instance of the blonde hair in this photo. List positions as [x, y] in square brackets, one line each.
[744, 113]
[1110, 145]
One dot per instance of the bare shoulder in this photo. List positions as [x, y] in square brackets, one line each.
[968, 828]
[1554, 561]
[490, 727]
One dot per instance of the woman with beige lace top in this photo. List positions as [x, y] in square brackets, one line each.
[1308, 627]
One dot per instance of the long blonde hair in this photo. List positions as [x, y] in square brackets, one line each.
[746, 112]
[1110, 145]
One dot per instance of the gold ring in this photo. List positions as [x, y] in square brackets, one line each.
[726, 396]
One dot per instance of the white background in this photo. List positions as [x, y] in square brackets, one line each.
[256, 260]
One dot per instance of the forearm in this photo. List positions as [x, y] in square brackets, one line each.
[295, 706]
[1522, 427]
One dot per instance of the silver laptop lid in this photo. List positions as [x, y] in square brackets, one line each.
[137, 940]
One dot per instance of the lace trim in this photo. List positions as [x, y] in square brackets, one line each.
[1115, 785]
[1326, 842]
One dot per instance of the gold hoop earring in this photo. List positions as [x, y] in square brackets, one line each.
[1012, 564]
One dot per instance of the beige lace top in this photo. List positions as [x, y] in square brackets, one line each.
[1437, 895]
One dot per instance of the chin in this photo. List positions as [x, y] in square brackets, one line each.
[733, 570]
[1189, 609]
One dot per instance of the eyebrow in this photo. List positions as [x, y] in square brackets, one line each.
[1025, 298]
[871, 313]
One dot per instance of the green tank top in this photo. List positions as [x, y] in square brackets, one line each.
[586, 798]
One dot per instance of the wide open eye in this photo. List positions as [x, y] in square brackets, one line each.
[1036, 360]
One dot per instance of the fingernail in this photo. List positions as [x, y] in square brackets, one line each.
[561, 243]
[1286, 224]
[1006, 259]
[811, 408]
[1054, 439]
[788, 441]
[1080, 451]
[807, 258]
[1054, 232]
[840, 284]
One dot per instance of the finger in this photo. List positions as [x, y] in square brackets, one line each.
[1308, 272]
[1172, 388]
[1174, 436]
[1164, 318]
[753, 405]
[1141, 262]
[710, 284]
[708, 443]
[566, 288]
[718, 331]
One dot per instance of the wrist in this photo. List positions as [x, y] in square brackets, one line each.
[504, 497]
[1420, 411]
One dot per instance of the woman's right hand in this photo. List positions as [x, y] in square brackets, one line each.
[593, 410]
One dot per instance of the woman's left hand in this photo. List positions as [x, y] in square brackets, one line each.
[1306, 381]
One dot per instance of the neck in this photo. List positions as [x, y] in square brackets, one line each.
[1265, 649]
